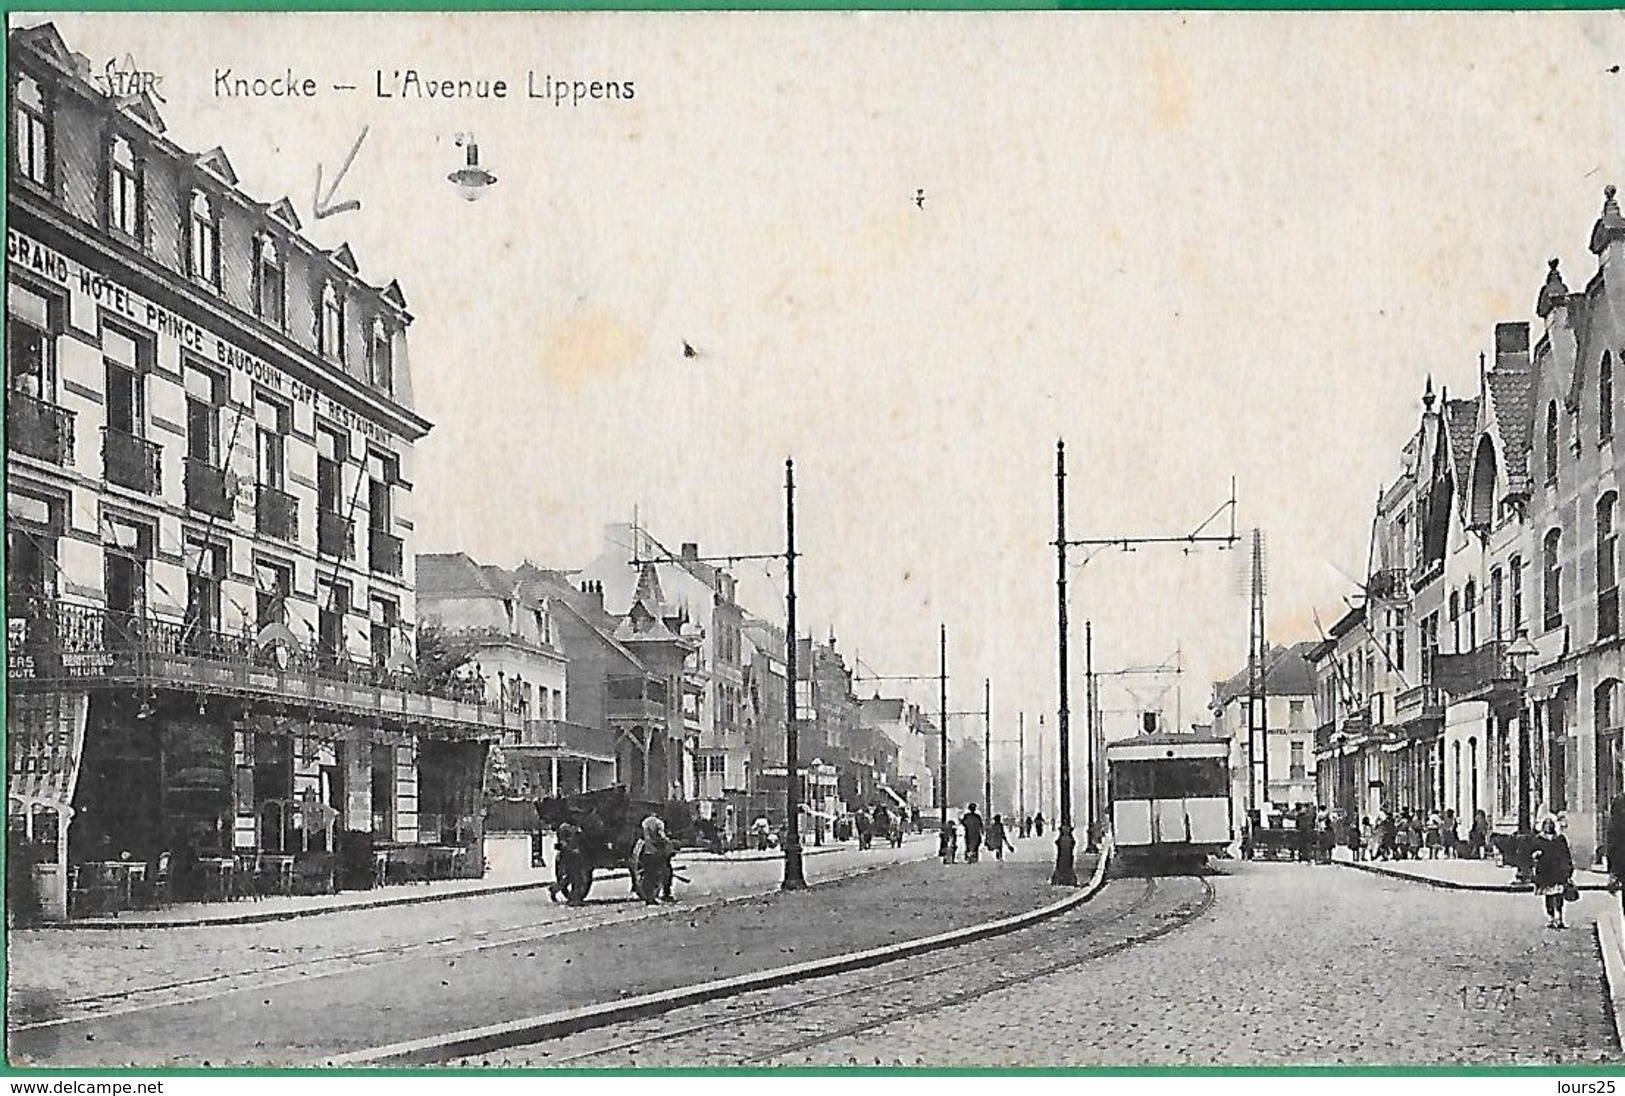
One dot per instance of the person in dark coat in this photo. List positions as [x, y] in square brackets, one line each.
[1616, 846]
[1305, 824]
[948, 841]
[971, 823]
[1038, 824]
[1554, 870]
[997, 839]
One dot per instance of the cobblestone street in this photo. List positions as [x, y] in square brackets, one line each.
[1291, 965]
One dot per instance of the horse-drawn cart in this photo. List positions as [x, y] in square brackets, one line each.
[606, 825]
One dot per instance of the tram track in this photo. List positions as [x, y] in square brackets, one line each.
[836, 1007]
[270, 976]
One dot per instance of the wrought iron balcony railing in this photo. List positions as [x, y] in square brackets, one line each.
[131, 462]
[1475, 674]
[75, 646]
[206, 489]
[384, 553]
[276, 513]
[35, 428]
[597, 742]
[1424, 701]
[335, 535]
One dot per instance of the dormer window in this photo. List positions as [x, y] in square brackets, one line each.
[31, 132]
[123, 190]
[204, 248]
[332, 325]
[380, 362]
[269, 283]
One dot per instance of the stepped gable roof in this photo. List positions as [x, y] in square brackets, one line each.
[883, 707]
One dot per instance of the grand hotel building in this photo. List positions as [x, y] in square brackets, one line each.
[209, 588]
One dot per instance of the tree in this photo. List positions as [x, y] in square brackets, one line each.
[441, 654]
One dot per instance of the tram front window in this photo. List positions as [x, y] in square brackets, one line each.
[1181, 778]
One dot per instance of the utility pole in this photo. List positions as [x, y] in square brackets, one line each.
[794, 877]
[1040, 763]
[987, 746]
[1021, 765]
[1066, 871]
[1093, 833]
[942, 669]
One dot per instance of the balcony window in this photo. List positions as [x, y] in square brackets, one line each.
[32, 528]
[31, 132]
[334, 607]
[205, 569]
[386, 615]
[203, 239]
[1296, 769]
[1552, 581]
[1455, 620]
[1607, 567]
[207, 489]
[270, 297]
[1515, 592]
[126, 547]
[30, 344]
[330, 334]
[1497, 602]
[272, 584]
[276, 511]
[124, 204]
[1469, 607]
[380, 360]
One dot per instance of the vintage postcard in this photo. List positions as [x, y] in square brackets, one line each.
[814, 539]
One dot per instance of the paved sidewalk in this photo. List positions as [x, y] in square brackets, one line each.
[1457, 874]
[419, 995]
[247, 911]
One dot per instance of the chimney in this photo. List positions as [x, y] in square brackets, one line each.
[690, 552]
[1511, 344]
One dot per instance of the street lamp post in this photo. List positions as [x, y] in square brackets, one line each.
[942, 760]
[1066, 871]
[794, 876]
[1518, 654]
[987, 747]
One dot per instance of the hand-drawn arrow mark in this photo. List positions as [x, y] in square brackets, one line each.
[322, 205]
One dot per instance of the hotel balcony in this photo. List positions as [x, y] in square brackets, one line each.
[596, 743]
[384, 553]
[38, 429]
[1422, 702]
[276, 513]
[335, 535]
[206, 489]
[1388, 585]
[633, 699]
[131, 462]
[61, 647]
[1484, 673]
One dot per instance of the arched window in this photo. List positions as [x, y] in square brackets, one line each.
[1607, 567]
[204, 252]
[1605, 398]
[332, 329]
[32, 132]
[1551, 581]
[1551, 442]
[1497, 603]
[123, 189]
[1469, 608]
[269, 282]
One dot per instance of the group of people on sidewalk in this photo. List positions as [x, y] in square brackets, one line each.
[1415, 835]
[993, 834]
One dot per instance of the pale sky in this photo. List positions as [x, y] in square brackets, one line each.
[1195, 246]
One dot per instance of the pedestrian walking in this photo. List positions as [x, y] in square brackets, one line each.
[997, 839]
[1357, 827]
[1450, 834]
[973, 826]
[1554, 871]
[1026, 825]
[1616, 847]
[1038, 824]
[1304, 824]
[1326, 838]
[948, 842]
[1433, 835]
